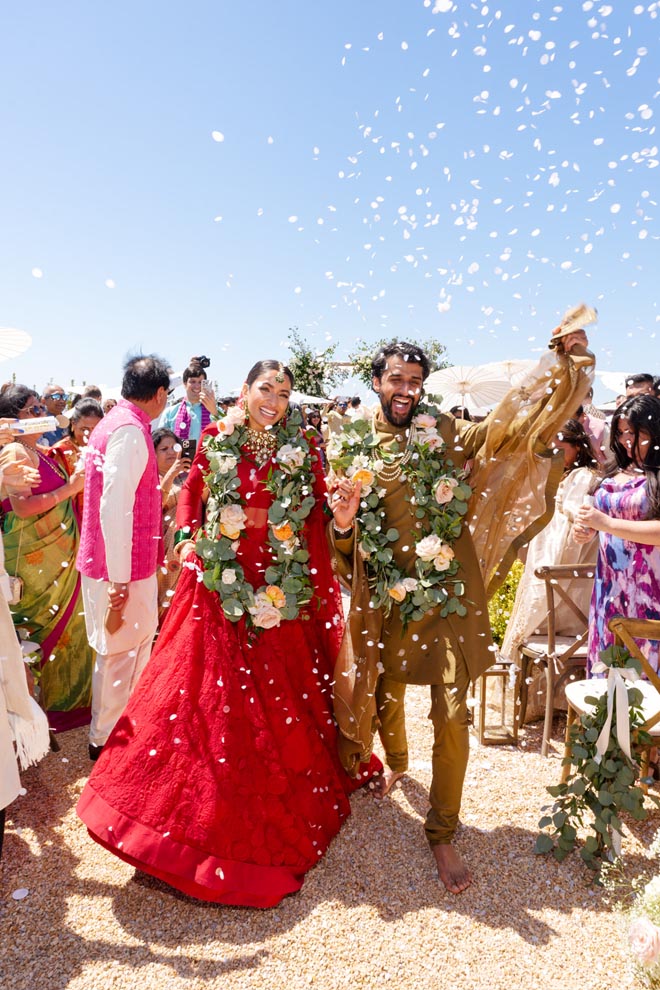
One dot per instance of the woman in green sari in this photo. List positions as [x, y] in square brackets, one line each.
[40, 536]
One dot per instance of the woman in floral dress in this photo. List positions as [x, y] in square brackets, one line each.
[626, 516]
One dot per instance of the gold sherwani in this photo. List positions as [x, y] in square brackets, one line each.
[515, 476]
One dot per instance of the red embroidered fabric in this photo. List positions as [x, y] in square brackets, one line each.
[222, 777]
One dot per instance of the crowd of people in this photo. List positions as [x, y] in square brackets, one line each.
[171, 572]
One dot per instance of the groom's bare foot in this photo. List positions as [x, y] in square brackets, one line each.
[451, 869]
[384, 782]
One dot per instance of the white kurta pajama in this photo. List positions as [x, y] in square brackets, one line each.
[120, 656]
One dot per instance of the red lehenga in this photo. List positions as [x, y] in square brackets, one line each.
[222, 776]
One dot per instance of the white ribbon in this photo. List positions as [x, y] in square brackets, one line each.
[616, 691]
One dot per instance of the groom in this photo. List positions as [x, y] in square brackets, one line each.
[443, 652]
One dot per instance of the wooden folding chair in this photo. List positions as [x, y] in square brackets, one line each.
[626, 632]
[563, 657]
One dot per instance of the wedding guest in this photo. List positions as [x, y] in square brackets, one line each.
[41, 538]
[640, 384]
[626, 517]
[554, 545]
[24, 736]
[193, 414]
[121, 542]
[86, 415]
[54, 399]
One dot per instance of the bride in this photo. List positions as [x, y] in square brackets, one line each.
[222, 776]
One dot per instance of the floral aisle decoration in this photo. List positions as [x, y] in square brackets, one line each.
[438, 496]
[288, 587]
[601, 784]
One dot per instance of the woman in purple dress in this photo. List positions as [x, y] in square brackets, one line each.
[626, 516]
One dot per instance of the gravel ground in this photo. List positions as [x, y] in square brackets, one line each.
[371, 914]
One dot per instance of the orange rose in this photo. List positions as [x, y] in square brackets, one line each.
[276, 596]
[364, 476]
[282, 533]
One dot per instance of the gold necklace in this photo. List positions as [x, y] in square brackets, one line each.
[260, 444]
[48, 460]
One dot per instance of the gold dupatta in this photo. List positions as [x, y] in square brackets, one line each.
[515, 475]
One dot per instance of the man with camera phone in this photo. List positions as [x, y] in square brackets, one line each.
[193, 414]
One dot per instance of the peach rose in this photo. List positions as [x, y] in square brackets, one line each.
[443, 559]
[226, 427]
[235, 414]
[266, 616]
[283, 532]
[232, 521]
[276, 596]
[424, 421]
[397, 592]
[433, 440]
[644, 940]
[444, 490]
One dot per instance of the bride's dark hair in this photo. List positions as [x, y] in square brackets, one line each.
[261, 366]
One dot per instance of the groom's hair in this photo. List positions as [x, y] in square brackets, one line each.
[409, 352]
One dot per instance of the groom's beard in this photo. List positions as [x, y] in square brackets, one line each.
[396, 418]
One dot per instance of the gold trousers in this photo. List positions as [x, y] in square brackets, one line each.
[451, 745]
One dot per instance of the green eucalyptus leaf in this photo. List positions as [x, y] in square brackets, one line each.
[544, 844]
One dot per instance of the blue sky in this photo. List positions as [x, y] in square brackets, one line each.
[198, 178]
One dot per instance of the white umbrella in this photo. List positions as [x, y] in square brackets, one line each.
[465, 385]
[314, 400]
[513, 371]
[13, 342]
[614, 381]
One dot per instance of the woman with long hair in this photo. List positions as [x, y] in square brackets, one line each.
[41, 537]
[626, 517]
[222, 778]
[552, 546]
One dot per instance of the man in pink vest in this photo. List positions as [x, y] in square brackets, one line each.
[121, 542]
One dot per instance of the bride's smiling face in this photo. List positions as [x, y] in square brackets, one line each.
[267, 399]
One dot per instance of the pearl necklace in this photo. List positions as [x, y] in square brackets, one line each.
[392, 469]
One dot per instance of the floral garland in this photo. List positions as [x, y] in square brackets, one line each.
[438, 496]
[288, 586]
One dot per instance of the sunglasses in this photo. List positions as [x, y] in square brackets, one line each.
[63, 396]
[36, 410]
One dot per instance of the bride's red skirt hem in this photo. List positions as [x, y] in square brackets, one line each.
[192, 871]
